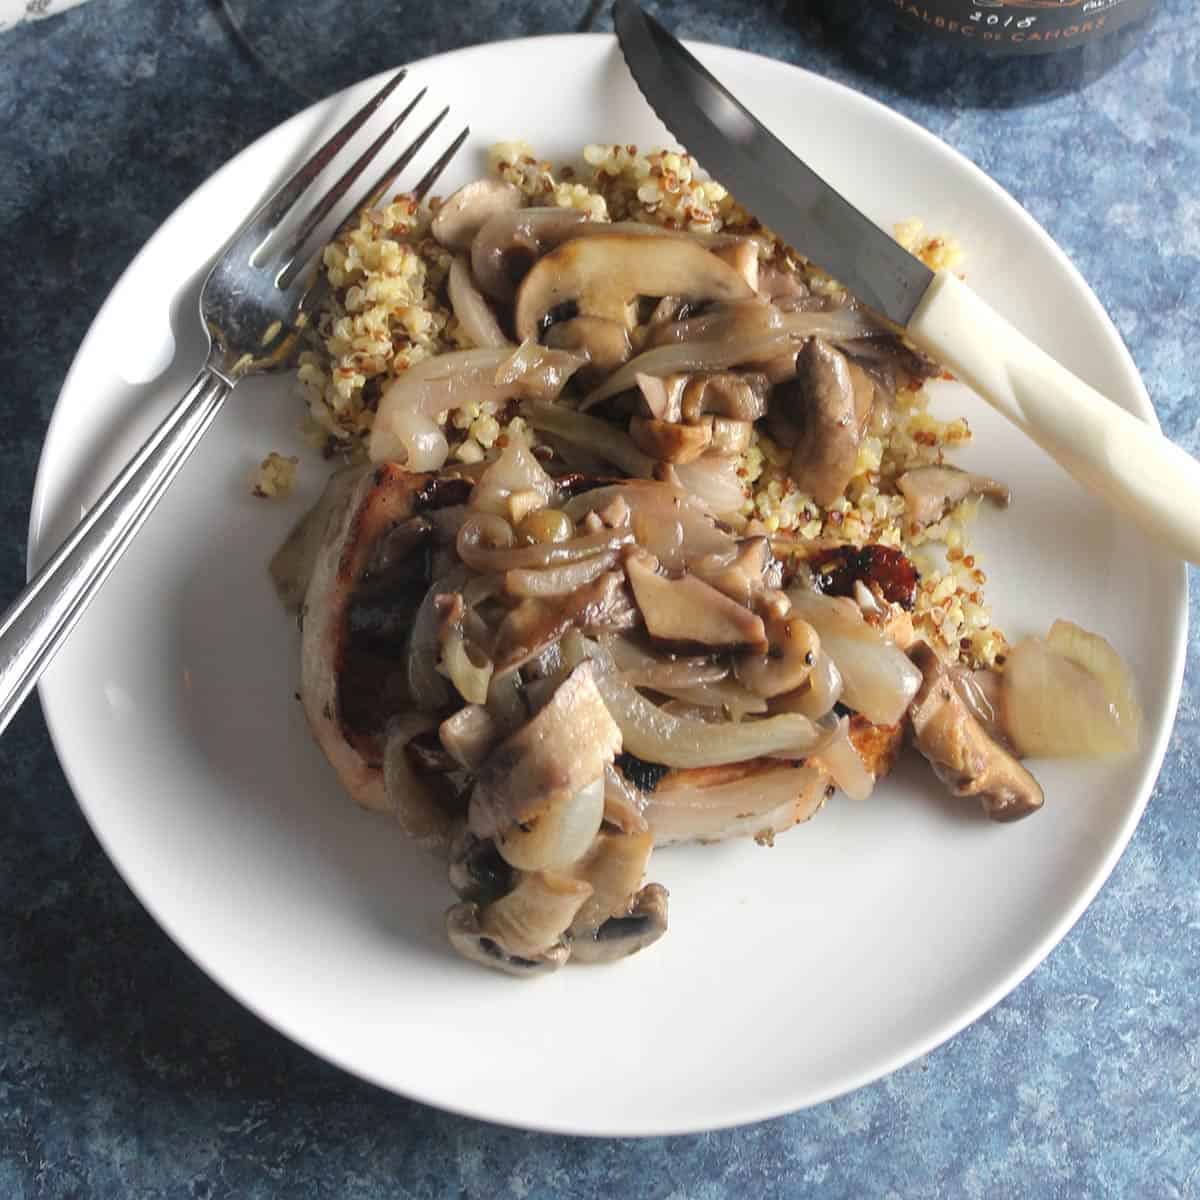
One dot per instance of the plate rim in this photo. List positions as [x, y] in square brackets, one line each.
[747, 1113]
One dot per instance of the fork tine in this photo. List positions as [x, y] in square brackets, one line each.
[322, 208]
[272, 210]
[368, 199]
[431, 176]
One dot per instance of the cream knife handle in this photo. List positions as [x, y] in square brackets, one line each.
[1107, 449]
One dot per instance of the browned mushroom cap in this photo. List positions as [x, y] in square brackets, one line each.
[460, 218]
[929, 491]
[605, 275]
[509, 244]
[831, 401]
[963, 756]
[606, 342]
[688, 609]
[792, 649]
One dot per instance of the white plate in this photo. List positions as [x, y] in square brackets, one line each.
[789, 975]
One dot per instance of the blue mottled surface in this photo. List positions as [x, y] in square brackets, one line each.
[125, 1072]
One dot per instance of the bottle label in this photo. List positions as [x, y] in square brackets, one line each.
[1018, 26]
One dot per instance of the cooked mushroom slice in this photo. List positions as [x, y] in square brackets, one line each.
[830, 402]
[963, 756]
[292, 565]
[730, 437]
[467, 936]
[469, 735]
[540, 792]
[929, 491]
[725, 394]
[537, 622]
[669, 441]
[750, 575]
[605, 275]
[614, 866]
[621, 936]
[476, 870]
[463, 214]
[780, 283]
[817, 695]
[477, 320]
[380, 499]
[511, 242]
[688, 609]
[791, 655]
[758, 798]
[606, 342]
[662, 395]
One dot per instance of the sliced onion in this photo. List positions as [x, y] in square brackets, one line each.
[517, 472]
[445, 381]
[841, 759]
[541, 371]
[472, 310]
[656, 736]
[721, 322]
[1070, 695]
[726, 696]
[714, 479]
[557, 837]
[506, 704]
[719, 354]
[598, 437]
[763, 803]
[623, 803]
[535, 914]
[818, 696]
[675, 526]
[644, 669]
[615, 866]
[469, 677]
[559, 581]
[469, 735]
[878, 678]
[429, 689]
[477, 548]
[410, 437]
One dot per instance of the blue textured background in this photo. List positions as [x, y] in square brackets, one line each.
[125, 1072]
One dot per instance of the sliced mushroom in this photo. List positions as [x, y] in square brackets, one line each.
[962, 755]
[464, 213]
[543, 768]
[929, 491]
[476, 870]
[621, 936]
[606, 342]
[467, 936]
[745, 573]
[662, 395]
[539, 621]
[730, 437]
[669, 441]
[831, 402]
[511, 242]
[614, 866]
[534, 916]
[605, 275]
[688, 609]
[791, 655]
[741, 397]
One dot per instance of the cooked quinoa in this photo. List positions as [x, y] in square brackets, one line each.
[387, 310]
[275, 476]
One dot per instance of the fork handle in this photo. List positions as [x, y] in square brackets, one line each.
[39, 620]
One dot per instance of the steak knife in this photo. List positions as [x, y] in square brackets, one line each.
[1107, 449]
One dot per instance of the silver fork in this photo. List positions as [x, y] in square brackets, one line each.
[253, 304]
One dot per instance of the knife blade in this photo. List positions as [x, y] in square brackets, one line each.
[782, 191]
[1106, 448]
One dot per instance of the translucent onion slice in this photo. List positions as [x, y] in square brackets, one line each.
[1069, 696]
[592, 434]
[472, 310]
[410, 437]
[516, 472]
[557, 837]
[714, 479]
[878, 678]
[657, 736]
[844, 763]
[429, 689]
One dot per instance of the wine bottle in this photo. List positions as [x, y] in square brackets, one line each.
[985, 52]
